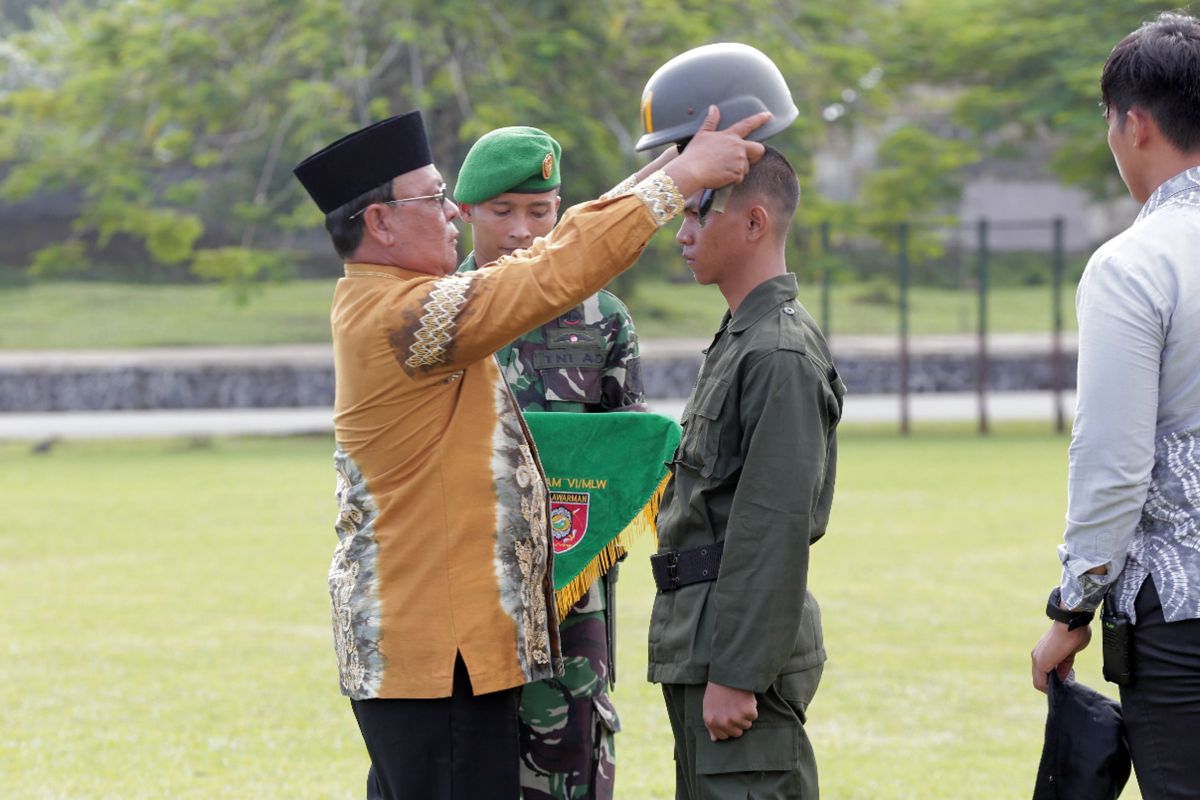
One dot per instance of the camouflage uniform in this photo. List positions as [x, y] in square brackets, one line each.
[585, 360]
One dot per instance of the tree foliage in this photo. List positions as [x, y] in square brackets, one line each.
[177, 123]
[1018, 71]
[917, 174]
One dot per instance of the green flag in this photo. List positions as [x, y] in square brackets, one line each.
[606, 474]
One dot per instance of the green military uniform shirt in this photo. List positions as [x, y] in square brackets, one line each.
[755, 470]
[585, 360]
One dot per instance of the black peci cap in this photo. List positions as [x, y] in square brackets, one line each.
[359, 162]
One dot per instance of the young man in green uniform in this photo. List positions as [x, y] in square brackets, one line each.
[735, 637]
[585, 360]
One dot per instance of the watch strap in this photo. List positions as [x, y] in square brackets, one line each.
[1072, 619]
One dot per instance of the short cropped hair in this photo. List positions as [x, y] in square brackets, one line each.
[347, 233]
[1157, 69]
[772, 179]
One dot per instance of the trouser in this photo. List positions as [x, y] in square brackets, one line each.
[567, 722]
[773, 760]
[1161, 708]
[461, 747]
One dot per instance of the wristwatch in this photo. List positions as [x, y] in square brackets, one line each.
[1072, 619]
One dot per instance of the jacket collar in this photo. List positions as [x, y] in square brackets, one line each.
[355, 269]
[468, 264]
[763, 299]
[1184, 189]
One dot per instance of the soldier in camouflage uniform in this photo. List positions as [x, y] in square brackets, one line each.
[585, 360]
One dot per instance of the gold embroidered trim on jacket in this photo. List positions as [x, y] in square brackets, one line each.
[531, 558]
[624, 187]
[661, 197]
[432, 338]
[343, 580]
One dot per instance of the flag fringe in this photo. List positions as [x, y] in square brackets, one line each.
[642, 524]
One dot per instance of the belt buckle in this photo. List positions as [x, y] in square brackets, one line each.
[673, 569]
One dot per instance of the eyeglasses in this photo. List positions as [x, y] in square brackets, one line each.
[706, 206]
[440, 197]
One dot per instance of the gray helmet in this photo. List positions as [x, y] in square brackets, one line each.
[738, 79]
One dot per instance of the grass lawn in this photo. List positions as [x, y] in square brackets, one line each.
[676, 310]
[98, 315]
[165, 622]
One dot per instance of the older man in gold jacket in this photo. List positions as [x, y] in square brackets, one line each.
[441, 582]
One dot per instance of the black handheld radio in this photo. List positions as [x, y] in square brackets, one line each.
[1118, 644]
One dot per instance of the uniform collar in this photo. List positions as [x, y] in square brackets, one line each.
[468, 264]
[763, 299]
[1183, 188]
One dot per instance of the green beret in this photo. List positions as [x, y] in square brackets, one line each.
[517, 159]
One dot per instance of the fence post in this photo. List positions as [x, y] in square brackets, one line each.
[982, 365]
[902, 246]
[1056, 349]
[826, 279]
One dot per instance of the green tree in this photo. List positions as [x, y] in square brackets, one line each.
[1019, 70]
[917, 175]
[180, 120]
[177, 123]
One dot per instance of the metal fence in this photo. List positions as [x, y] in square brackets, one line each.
[965, 258]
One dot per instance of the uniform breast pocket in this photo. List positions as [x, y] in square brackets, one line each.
[570, 369]
[572, 385]
[698, 448]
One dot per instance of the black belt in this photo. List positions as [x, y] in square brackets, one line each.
[678, 568]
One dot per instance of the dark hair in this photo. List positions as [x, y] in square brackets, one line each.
[1157, 69]
[347, 233]
[773, 179]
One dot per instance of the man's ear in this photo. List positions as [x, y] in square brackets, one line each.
[465, 211]
[758, 223]
[1141, 125]
[377, 225]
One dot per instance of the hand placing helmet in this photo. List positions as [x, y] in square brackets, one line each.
[738, 79]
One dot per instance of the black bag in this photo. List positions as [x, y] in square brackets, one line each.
[1085, 756]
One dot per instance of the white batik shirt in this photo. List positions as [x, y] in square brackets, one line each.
[1134, 481]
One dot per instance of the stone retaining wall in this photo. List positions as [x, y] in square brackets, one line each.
[215, 382]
